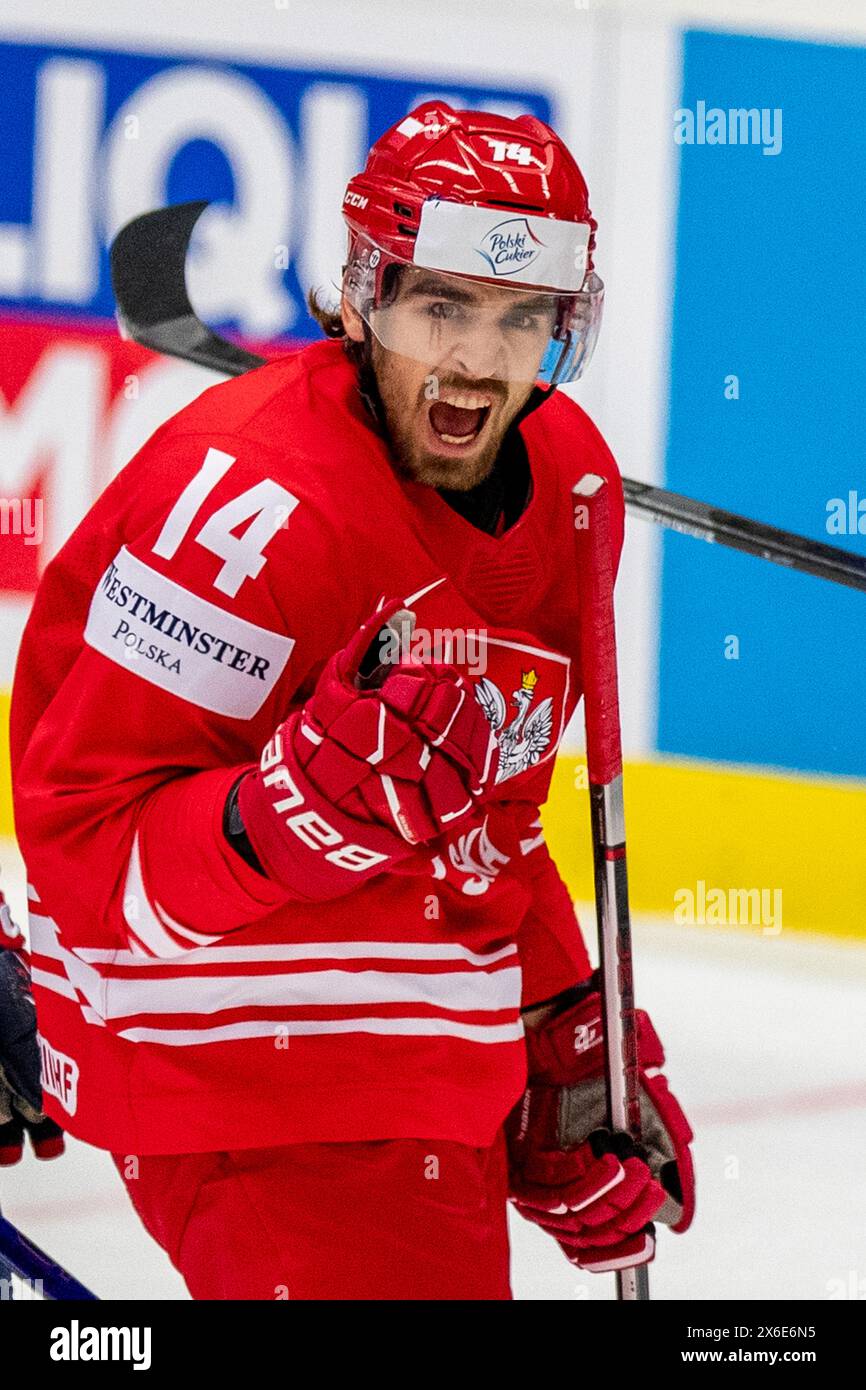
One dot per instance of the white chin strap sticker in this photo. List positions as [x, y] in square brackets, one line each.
[491, 242]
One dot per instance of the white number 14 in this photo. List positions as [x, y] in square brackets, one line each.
[267, 505]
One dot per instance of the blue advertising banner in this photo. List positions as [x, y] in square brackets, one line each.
[766, 407]
[89, 138]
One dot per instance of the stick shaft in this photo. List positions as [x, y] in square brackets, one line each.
[32, 1264]
[709, 523]
[595, 563]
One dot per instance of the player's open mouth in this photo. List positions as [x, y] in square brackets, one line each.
[457, 417]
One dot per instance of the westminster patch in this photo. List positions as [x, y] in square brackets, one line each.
[161, 632]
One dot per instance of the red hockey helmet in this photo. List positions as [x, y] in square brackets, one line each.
[470, 196]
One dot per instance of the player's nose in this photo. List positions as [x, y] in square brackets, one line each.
[480, 354]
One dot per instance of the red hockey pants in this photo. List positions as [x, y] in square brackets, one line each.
[386, 1219]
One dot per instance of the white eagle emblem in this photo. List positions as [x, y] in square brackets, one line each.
[524, 740]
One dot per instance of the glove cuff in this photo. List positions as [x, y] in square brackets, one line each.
[568, 1046]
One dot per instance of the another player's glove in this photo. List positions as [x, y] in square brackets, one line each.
[355, 781]
[594, 1191]
[20, 1086]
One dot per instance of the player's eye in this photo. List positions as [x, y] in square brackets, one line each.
[443, 309]
[522, 320]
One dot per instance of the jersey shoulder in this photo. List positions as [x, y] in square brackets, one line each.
[576, 443]
[258, 404]
[299, 421]
[221, 566]
[571, 445]
[223, 502]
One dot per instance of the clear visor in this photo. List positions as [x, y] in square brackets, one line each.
[459, 326]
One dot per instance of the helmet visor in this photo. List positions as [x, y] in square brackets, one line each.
[460, 324]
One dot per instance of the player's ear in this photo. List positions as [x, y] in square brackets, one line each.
[352, 321]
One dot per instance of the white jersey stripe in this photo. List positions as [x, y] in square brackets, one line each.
[262, 1028]
[49, 945]
[58, 984]
[462, 990]
[313, 950]
[44, 938]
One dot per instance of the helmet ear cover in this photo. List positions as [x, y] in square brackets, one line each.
[576, 332]
[357, 290]
[360, 352]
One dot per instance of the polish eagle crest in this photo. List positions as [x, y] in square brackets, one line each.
[524, 740]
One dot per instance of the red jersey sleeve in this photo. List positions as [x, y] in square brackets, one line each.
[169, 637]
[553, 953]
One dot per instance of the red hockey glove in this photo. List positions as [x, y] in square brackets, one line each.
[352, 783]
[594, 1191]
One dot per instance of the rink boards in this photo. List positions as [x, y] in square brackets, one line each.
[721, 371]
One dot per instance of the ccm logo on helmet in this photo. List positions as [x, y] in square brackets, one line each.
[309, 826]
[355, 200]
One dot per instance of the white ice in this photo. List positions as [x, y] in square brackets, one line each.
[766, 1049]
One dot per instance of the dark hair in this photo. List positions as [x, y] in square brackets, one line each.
[331, 323]
[329, 320]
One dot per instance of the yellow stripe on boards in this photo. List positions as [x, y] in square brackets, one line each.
[5, 781]
[719, 845]
[744, 835]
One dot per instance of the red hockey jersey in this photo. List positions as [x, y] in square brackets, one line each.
[185, 1002]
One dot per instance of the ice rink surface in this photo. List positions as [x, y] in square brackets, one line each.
[766, 1049]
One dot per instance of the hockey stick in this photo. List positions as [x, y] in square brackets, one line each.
[5, 1268]
[148, 272]
[708, 523]
[33, 1265]
[595, 571]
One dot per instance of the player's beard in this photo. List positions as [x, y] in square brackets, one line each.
[406, 405]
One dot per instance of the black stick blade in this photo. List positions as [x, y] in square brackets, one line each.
[148, 274]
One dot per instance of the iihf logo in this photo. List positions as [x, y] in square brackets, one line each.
[510, 247]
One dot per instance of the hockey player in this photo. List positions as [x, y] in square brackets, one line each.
[285, 713]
